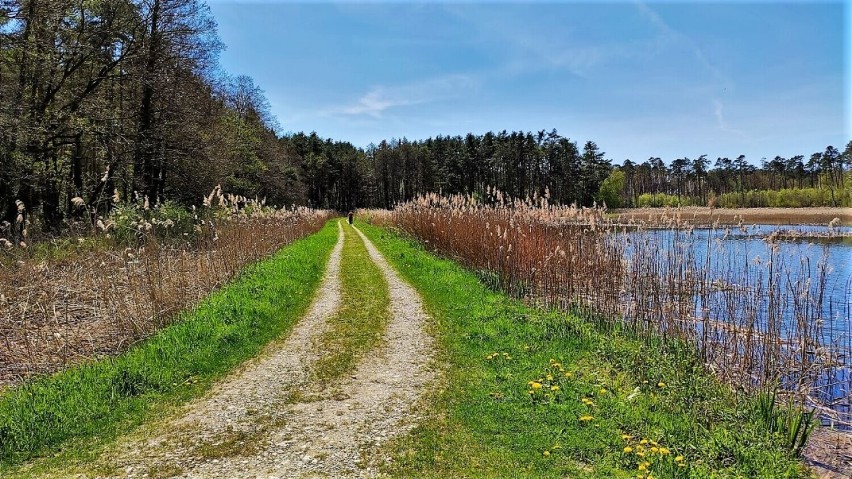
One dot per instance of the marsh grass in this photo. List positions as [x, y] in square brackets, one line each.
[358, 324]
[72, 300]
[616, 390]
[755, 326]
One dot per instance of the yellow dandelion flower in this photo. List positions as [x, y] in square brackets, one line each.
[643, 467]
[655, 449]
[643, 442]
[546, 453]
[603, 391]
[625, 436]
[661, 384]
[628, 449]
[568, 374]
[536, 385]
[586, 417]
[550, 377]
[640, 453]
[664, 451]
[554, 388]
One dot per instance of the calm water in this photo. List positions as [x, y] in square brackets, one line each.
[812, 278]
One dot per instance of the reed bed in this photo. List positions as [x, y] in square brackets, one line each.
[98, 301]
[757, 321]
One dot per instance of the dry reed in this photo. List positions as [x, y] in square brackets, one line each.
[754, 326]
[96, 303]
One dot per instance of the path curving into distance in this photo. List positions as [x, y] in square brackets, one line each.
[269, 420]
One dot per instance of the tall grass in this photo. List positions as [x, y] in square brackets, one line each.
[753, 327]
[92, 296]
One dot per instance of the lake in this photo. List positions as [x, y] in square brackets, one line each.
[778, 307]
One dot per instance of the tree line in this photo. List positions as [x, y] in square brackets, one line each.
[522, 164]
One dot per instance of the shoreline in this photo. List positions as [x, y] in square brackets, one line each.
[703, 215]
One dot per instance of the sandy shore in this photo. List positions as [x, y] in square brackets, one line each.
[772, 216]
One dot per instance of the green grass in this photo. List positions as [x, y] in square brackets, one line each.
[485, 422]
[358, 325]
[72, 413]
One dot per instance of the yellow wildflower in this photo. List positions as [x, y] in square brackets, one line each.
[603, 391]
[536, 385]
[569, 375]
[586, 417]
[664, 451]
[546, 453]
[625, 436]
[661, 384]
[643, 442]
[554, 388]
[628, 449]
[550, 377]
[679, 459]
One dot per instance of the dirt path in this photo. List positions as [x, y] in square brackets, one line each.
[268, 420]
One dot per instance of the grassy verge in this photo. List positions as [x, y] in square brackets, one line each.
[73, 412]
[358, 324]
[531, 393]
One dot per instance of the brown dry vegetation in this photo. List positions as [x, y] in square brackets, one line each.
[700, 215]
[56, 312]
[752, 327]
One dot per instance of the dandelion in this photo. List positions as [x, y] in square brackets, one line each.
[554, 388]
[586, 418]
[628, 449]
[661, 384]
[569, 375]
[664, 451]
[603, 391]
[536, 385]
[546, 453]
[679, 459]
[626, 437]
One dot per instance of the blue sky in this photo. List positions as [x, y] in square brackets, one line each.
[641, 79]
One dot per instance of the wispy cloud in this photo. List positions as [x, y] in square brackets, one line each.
[381, 98]
[722, 123]
[670, 34]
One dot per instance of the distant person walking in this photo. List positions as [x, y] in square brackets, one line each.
[351, 216]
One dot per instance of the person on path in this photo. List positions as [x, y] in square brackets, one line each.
[351, 215]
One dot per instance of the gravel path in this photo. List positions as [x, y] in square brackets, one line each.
[269, 421]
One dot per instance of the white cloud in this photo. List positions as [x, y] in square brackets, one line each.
[380, 98]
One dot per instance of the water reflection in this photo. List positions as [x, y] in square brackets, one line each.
[762, 297]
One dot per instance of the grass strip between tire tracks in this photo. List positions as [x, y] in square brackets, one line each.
[532, 393]
[358, 325]
[78, 409]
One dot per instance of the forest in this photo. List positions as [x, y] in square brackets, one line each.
[111, 101]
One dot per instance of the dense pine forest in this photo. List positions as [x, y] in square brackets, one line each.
[112, 101]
